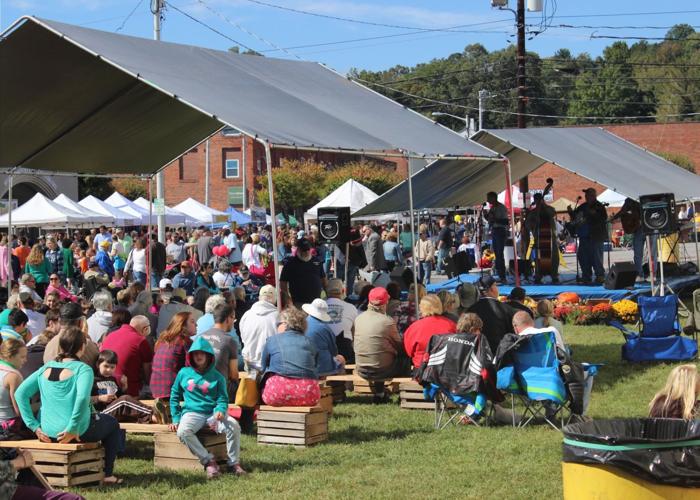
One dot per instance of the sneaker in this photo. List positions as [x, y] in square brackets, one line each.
[237, 470]
[213, 470]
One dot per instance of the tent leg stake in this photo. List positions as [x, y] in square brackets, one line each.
[273, 214]
[9, 233]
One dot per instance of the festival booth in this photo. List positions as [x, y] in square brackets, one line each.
[45, 213]
[119, 217]
[200, 214]
[237, 216]
[172, 217]
[118, 200]
[93, 218]
[611, 198]
[351, 194]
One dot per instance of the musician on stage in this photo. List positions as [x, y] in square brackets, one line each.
[497, 217]
[541, 222]
[590, 219]
[630, 215]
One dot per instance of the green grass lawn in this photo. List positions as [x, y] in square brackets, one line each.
[385, 452]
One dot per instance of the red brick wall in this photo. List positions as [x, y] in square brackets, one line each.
[223, 147]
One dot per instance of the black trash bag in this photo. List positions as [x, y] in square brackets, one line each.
[659, 450]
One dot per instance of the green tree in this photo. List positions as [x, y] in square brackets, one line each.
[99, 187]
[131, 188]
[297, 185]
[679, 159]
[373, 175]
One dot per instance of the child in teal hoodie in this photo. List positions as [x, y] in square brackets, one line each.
[205, 402]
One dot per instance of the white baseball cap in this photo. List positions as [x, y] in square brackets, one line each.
[165, 282]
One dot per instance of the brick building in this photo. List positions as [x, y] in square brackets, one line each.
[236, 160]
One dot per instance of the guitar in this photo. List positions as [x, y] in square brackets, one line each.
[631, 222]
[545, 235]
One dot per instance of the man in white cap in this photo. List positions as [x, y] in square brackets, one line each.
[342, 316]
[257, 325]
[319, 332]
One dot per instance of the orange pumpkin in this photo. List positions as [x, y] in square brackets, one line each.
[568, 298]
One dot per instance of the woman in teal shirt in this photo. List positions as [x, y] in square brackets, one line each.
[66, 413]
[38, 266]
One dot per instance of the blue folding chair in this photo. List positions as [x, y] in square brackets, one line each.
[535, 380]
[659, 337]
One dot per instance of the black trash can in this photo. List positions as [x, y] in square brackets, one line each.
[661, 451]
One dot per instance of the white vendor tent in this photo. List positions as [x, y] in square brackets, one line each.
[43, 212]
[92, 218]
[121, 218]
[612, 198]
[172, 216]
[199, 213]
[124, 204]
[350, 194]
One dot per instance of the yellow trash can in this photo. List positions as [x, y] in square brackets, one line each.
[669, 249]
[601, 482]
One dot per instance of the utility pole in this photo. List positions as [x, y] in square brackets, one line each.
[156, 9]
[483, 94]
[520, 82]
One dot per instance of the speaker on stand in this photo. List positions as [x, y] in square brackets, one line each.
[334, 228]
[658, 218]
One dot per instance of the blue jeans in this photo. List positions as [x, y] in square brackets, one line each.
[352, 274]
[638, 241]
[104, 428]
[442, 254]
[498, 237]
[140, 277]
[192, 422]
[590, 258]
[425, 268]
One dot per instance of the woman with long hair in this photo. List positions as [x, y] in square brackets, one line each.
[432, 322]
[39, 268]
[13, 355]
[679, 398]
[66, 413]
[170, 355]
[545, 317]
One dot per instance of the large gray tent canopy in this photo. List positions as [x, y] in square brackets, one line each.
[591, 152]
[79, 100]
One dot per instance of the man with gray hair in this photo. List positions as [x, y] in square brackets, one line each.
[134, 353]
[27, 283]
[343, 316]
[101, 320]
[523, 324]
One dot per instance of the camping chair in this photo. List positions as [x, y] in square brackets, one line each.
[534, 379]
[693, 326]
[659, 337]
[459, 376]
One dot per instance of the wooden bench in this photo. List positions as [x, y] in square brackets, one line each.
[170, 453]
[65, 465]
[299, 426]
[134, 428]
[326, 401]
[411, 397]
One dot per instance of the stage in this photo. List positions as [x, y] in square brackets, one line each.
[549, 291]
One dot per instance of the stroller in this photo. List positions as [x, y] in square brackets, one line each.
[459, 375]
[659, 337]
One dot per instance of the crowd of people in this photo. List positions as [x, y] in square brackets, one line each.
[84, 336]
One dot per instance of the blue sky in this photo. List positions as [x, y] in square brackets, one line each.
[407, 45]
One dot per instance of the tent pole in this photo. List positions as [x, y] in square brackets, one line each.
[244, 141]
[273, 214]
[148, 238]
[694, 229]
[509, 200]
[413, 235]
[347, 263]
[9, 232]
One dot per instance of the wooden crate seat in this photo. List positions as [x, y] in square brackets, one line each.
[299, 426]
[170, 453]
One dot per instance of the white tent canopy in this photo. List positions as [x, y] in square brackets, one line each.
[118, 200]
[612, 198]
[199, 213]
[350, 194]
[121, 218]
[172, 217]
[92, 218]
[41, 211]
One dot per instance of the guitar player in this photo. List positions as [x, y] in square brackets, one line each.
[630, 215]
[592, 233]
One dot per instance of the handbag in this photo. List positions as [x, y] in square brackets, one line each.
[247, 394]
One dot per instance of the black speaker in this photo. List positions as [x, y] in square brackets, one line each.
[457, 264]
[621, 275]
[659, 213]
[403, 276]
[334, 224]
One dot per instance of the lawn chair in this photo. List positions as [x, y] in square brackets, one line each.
[533, 378]
[460, 377]
[659, 337]
[693, 326]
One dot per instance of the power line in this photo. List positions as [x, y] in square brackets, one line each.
[570, 26]
[533, 115]
[210, 27]
[128, 16]
[652, 38]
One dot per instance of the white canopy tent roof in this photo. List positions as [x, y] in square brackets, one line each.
[172, 216]
[612, 198]
[199, 213]
[118, 200]
[121, 218]
[43, 212]
[350, 194]
[93, 218]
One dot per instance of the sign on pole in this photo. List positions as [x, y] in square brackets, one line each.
[159, 206]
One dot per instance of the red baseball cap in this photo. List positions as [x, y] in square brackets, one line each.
[378, 296]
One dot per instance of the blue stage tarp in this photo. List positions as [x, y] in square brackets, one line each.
[677, 283]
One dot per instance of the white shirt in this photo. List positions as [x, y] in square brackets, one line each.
[37, 322]
[138, 260]
[251, 255]
[342, 317]
[224, 280]
[232, 244]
